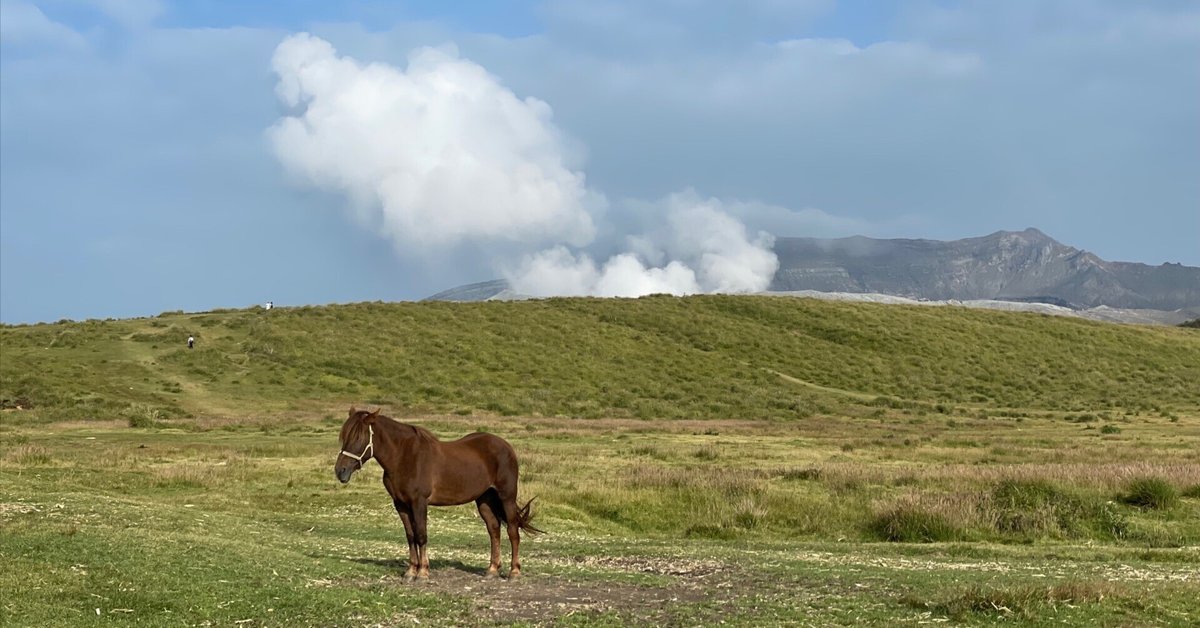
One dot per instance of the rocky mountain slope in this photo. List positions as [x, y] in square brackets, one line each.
[1020, 266]
[999, 271]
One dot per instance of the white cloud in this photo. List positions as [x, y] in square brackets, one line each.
[437, 153]
[23, 24]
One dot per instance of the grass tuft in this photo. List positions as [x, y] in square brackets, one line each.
[26, 455]
[915, 522]
[1151, 493]
[1034, 507]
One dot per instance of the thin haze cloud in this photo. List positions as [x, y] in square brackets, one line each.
[441, 153]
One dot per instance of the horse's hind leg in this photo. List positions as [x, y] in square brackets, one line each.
[512, 518]
[487, 505]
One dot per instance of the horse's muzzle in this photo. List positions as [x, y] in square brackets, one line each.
[343, 475]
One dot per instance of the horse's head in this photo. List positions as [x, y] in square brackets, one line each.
[358, 443]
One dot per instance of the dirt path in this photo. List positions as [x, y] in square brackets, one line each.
[837, 391]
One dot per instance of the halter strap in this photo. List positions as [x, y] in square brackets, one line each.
[370, 446]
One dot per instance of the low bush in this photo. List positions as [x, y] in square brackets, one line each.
[913, 522]
[1151, 493]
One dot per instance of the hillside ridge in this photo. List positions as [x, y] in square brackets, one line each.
[700, 357]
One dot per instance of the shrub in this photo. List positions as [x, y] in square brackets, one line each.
[1151, 493]
[811, 473]
[1034, 507]
[1111, 521]
[912, 523]
[142, 415]
[750, 512]
[1110, 429]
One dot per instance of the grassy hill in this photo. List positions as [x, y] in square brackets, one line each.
[820, 463]
[656, 357]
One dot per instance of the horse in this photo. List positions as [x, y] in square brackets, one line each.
[420, 471]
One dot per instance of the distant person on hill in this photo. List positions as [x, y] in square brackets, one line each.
[270, 304]
[191, 341]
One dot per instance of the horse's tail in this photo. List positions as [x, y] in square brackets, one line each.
[525, 518]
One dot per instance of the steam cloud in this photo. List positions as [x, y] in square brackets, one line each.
[708, 251]
[441, 153]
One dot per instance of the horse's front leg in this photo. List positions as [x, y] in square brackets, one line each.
[420, 511]
[407, 519]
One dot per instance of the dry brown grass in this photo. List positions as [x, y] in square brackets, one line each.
[1097, 476]
[189, 474]
[25, 455]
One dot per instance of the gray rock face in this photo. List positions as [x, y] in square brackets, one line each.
[1018, 266]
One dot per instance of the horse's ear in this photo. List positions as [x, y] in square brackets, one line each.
[352, 410]
[374, 414]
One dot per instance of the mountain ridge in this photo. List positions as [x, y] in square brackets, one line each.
[1004, 265]
[1018, 266]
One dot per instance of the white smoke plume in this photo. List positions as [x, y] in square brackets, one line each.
[558, 272]
[441, 150]
[441, 153]
[708, 251]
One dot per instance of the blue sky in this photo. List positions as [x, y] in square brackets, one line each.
[138, 172]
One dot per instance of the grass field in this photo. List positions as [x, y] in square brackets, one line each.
[738, 459]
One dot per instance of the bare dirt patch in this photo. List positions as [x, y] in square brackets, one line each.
[543, 599]
[651, 564]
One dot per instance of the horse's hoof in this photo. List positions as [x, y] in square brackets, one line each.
[514, 574]
[492, 574]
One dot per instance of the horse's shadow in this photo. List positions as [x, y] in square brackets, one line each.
[402, 564]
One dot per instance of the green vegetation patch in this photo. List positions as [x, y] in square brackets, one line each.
[706, 357]
[1153, 493]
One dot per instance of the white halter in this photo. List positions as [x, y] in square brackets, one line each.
[370, 446]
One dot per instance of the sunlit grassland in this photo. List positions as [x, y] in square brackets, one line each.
[746, 521]
[752, 460]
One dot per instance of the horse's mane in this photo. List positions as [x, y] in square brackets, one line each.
[418, 431]
[355, 426]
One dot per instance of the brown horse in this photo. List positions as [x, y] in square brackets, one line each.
[420, 471]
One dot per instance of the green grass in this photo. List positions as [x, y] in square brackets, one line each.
[651, 358]
[753, 460]
[228, 521]
[1155, 493]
